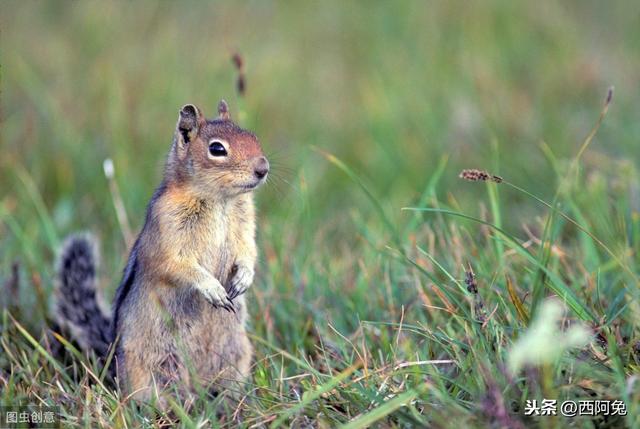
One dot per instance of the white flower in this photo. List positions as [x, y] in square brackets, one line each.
[544, 342]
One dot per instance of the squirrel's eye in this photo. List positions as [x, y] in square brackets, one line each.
[217, 149]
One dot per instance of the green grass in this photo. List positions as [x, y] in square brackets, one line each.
[361, 314]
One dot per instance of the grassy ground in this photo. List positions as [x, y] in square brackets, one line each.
[363, 313]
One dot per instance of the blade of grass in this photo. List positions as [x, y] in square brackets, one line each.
[41, 350]
[69, 347]
[41, 209]
[372, 198]
[288, 355]
[309, 397]
[429, 191]
[450, 296]
[544, 254]
[556, 283]
[368, 419]
[577, 224]
[437, 264]
[517, 303]
[18, 232]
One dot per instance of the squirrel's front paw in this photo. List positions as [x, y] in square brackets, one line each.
[214, 292]
[240, 282]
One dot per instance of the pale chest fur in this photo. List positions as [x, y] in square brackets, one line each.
[203, 234]
[209, 232]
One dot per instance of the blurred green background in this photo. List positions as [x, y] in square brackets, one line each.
[405, 95]
[389, 88]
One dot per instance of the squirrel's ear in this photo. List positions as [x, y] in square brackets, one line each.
[223, 111]
[189, 121]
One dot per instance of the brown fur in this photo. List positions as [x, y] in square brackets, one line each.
[180, 312]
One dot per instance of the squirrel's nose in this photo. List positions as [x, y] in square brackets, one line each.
[262, 167]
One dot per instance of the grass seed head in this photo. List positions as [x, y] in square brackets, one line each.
[241, 84]
[236, 58]
[470, 281]
[474, 175]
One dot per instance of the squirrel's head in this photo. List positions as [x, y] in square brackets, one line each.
[217, 157]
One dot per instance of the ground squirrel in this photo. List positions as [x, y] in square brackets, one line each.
[179, 310]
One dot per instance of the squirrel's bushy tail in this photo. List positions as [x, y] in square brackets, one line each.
[77, 306]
